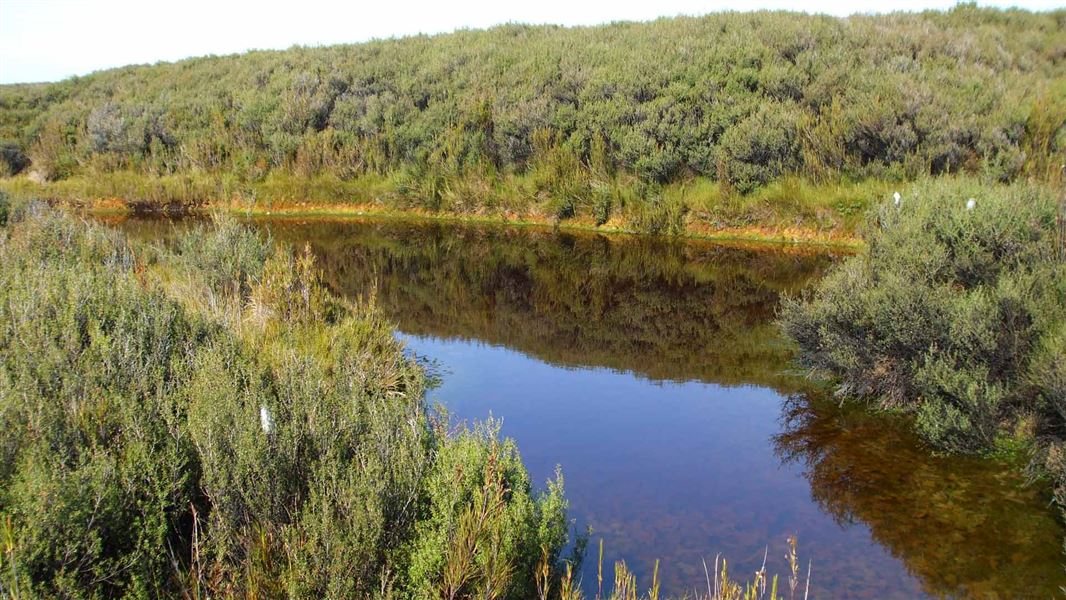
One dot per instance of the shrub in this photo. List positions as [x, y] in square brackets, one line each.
[291, 290]
[478, 497]
[952, 313]
[12, 159]
[227, 256]
[96, 468]
[110, 130]
[937, 92]
[762, 147]
[150, 449]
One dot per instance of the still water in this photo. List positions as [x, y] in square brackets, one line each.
[652, 373]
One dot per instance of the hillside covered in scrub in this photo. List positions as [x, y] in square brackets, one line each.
[682, 117]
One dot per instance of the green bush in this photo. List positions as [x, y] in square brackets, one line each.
[96, 469]
[475, 540]
[149, 448]
[762, 147]
[953, 313]
[226, 255]
[966, 90]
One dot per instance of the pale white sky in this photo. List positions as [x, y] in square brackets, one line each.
[47, 40]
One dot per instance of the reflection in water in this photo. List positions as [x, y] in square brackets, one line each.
[653, 373]
[961, 526]
[666, 310]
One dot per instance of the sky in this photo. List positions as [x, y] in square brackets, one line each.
[49, 40]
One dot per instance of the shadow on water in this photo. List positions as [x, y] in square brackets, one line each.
[651, 370]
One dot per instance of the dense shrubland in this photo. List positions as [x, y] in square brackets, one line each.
[654, 124]
[207, 421]
[956, 315]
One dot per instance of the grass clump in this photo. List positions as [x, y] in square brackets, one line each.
[719, 584]
[955, 314]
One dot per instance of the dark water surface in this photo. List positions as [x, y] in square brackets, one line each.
[651, 371]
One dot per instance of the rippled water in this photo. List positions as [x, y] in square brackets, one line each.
[652, 373]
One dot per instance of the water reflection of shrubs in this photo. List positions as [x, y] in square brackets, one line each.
[574, 299]
[866, 467]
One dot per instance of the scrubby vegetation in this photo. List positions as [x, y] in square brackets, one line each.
[186, 423]
[681, 122]
[955, 314]
[204, 419]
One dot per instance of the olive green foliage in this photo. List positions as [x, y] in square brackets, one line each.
[95, 472]
[475, 523]
[230, 258]
[565, 121]
[205, 420]
[571, 299]
[954, 314]
[762, 147]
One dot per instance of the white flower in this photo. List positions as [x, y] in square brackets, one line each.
[266, 420]
[897, 197]
[971, 203]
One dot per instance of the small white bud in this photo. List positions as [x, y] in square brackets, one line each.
[971, 203]
[897, 197]
[266, 420]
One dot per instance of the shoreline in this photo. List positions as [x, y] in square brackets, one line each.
[794, 237]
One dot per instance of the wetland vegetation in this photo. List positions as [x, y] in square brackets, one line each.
[955, 315]
[530, 324]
